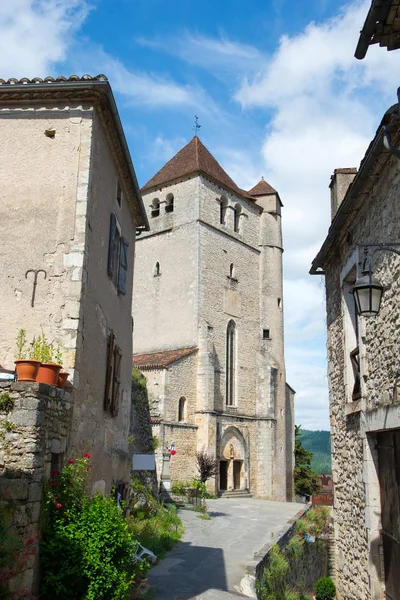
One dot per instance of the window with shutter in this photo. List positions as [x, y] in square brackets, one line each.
[123, 266]
[116, 381]
[109, 371]
[111, 245]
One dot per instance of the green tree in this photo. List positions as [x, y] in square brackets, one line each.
[306, 481]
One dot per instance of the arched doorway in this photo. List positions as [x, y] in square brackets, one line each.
[233, 466]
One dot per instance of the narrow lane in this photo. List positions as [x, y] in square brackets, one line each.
[211, 559]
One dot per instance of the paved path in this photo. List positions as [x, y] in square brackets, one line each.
[212, 556]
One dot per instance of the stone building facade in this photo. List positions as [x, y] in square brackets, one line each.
[363, 370]
[70, 210]
[208, 325]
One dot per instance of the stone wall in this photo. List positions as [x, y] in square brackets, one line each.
[306, 566]
[141, 439]
[355, 421]
[33, 441]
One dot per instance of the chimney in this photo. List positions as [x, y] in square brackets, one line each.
[340, 182]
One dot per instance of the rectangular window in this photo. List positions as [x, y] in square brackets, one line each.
[113, 376]
[266, 335]
[119, 194]
[117, 266]
[350, 330]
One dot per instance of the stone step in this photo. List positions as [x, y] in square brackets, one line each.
[235, 494]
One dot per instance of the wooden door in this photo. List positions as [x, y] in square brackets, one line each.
[223, 475]
[389, 481]
[237, 469]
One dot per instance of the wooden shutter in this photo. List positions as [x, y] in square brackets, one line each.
[123, 265]
[111, 245]
[116, 381]
[109, 371]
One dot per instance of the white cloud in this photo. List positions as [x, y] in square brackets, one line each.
[145, 89]
[36, 34]
[216, 55]
[325, 107]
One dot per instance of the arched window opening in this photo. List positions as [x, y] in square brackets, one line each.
[157, 271]
[236, 225]
[182, 409]
[223, 203]
[232, 271]
[155, 208]
[230, 363]
[169, 203]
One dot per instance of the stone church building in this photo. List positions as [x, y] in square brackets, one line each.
[208, 326]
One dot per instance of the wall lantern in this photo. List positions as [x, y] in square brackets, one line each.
[367, 290]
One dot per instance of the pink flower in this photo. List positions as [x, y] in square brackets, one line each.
[58, 505]
[71, 461]
[55, 472]
[86, 454]
[87, 469]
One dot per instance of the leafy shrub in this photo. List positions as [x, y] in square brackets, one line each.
[273, 584]
[87, 546]
[6, 403]
[325, 589]
[15, 551]
[141, 502]
[199, 486]
[180, 488]
[160, 532]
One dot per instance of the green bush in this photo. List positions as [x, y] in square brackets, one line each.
[6, 403]
[160, 532]
[87, 545]
[199, 486]
[180, 488]
[273, 584]
[325, 589]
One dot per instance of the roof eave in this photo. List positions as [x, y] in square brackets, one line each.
[378, 11]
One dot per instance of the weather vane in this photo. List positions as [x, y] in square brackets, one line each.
[196, 125]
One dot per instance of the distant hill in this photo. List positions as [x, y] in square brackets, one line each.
[319, 443]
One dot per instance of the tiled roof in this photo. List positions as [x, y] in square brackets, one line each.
[61, 79]
[194, 158]
[382, 26]
[160, 359]
[262, 188]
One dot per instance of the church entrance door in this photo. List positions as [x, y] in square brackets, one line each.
[223, 475]
[237, 470]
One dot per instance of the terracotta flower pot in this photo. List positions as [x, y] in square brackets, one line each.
[27, 370]
[48, 373]
[62, 379]
[133, 593]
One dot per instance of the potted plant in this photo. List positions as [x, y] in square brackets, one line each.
[63, 375]
[45, 352]
[26, 367]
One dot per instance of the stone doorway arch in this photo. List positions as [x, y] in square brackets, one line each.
[234, 461]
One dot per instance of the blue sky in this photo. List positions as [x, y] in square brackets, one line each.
[277, 91]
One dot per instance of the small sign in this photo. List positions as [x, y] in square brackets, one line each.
[144, 462]
[322, 499]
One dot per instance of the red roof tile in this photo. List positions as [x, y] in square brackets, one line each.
[160, 359]
[262, 188]
[194, 158]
